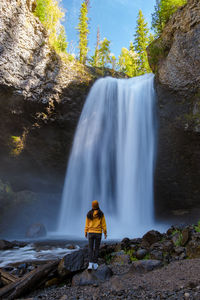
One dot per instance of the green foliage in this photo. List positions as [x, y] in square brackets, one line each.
[51, 15]
[83, 32]
[157, 50]
[147, 256]
[128, 61]
[108, 258]
[163, 11]
[197, 228]
[131, 253]
[104, 53]
[16, 144]
[180, 237]
[141, 43]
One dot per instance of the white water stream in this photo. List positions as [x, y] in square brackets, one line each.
[112, 159]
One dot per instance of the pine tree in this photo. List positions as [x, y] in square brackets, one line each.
[94, 60]
[104, 53]
[128, 61]
[163, 11]
[141, 43]
[83, 32]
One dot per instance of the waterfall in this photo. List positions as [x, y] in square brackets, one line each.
[112, 159]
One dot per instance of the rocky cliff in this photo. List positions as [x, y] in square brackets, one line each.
[175, 58]
[41, 98]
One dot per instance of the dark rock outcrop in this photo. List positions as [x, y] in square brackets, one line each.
[143, 266]
[175, 58]
[41, 98]
[74, 262]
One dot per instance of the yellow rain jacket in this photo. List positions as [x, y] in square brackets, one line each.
[96, 225]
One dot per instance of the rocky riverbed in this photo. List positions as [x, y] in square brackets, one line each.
[156, 266]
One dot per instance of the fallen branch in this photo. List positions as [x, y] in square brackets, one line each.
[7, 278]
[28, 282]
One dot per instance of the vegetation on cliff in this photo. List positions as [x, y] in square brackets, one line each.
[164, 9]
[50, 14]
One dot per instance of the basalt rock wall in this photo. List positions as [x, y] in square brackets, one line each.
[41, 98]
[175, 58]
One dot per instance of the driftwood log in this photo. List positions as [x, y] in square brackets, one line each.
[7, 278]
[28, 282]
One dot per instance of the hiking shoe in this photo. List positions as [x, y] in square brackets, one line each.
[95, 266]
[90, 266]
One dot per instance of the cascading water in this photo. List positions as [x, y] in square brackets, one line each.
[112, 159]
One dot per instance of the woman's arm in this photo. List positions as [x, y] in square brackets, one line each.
[86, 226]
[104, 226]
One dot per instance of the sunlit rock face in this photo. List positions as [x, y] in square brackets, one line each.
[41, 98]
[175, 58]
[176, 54]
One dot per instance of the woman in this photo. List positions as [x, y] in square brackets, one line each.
[94, 225]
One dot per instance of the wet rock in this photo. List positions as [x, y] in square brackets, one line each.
[36, 230]
[92, 277]
[5, 245]
[179, 250]
[120, 258]
[176, 239]
[106, 249]
[140, 254]
[64, 297]
[157, 255]
[144, 266]
[73, 262]
[168, 246]
[185, 236]
[152, 237]
[193, 247]
[70, 247]
[125, 243]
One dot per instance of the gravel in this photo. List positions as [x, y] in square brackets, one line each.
[178, 280]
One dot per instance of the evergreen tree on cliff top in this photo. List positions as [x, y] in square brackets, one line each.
[141, 43]
[128, 61]
[163, 11]
[83, 32]
[94, 60]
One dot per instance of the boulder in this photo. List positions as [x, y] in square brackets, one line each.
[125, 243]
[185, 236]
[90, 277]
[120, 258]
[141, 253]
[152, 237]
[193, 247]
[73, 262]
[157, 255]
[143, 266]
[4, 245]
[36, 231]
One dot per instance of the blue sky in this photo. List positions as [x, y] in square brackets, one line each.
[115, 18]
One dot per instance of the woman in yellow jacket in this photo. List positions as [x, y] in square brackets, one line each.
[94, 225]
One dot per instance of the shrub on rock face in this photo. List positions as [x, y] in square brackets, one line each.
[36, 230]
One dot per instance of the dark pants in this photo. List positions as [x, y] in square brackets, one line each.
[94, 245]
